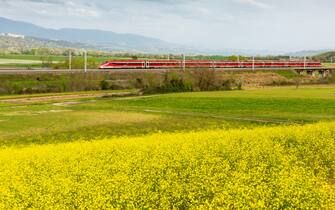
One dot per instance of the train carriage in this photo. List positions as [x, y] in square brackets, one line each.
[198, 64]
[123, 64]
[163, 64]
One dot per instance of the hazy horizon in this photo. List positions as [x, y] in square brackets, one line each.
[217, 24]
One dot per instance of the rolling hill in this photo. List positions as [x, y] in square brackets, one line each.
[326, 56]
[7, 42]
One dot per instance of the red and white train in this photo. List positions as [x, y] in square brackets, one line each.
[157, 64]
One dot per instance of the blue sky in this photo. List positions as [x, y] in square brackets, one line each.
[276, 25]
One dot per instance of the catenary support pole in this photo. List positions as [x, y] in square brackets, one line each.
[305, 62]
[70, 60]
[85, 60]
[184, 62]
[253, 62]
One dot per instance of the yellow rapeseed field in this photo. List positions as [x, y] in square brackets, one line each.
[270, 168]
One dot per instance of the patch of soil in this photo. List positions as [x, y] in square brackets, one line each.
[66, 97]
[32, 113]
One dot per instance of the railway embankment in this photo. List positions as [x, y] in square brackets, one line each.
[151, 81]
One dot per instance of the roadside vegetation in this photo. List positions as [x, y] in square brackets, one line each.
[151, 81]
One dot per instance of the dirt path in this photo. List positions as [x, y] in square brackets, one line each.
[227, 117]
[39, 99]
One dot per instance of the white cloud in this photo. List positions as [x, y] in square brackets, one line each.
[256, 3]
[74, 9]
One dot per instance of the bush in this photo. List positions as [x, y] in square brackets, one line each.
[331, 79]
[104, 85]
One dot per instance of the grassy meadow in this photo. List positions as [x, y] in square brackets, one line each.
[45, 122]
[16, 61]
[56, 61]
[258, 148]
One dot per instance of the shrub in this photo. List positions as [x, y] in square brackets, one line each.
[104, 85]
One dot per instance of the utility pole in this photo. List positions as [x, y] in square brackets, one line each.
[70, 60]
[212, 63]
[85, 60]
[305, 60]
[184, 62]
[253, 62]
[168, 57]
[331, 60]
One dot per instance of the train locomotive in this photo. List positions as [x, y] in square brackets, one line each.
[166, 64]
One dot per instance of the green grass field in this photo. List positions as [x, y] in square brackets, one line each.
[34, 61]
[28, 57]
[24, 61]
[16, 61]
[86, 119]
[258, 149]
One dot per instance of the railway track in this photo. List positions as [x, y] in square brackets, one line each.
[67, 71]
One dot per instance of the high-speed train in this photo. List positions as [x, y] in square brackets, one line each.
[157, 64]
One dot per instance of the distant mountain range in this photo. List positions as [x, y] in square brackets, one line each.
[37, 36]
[97, 39]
